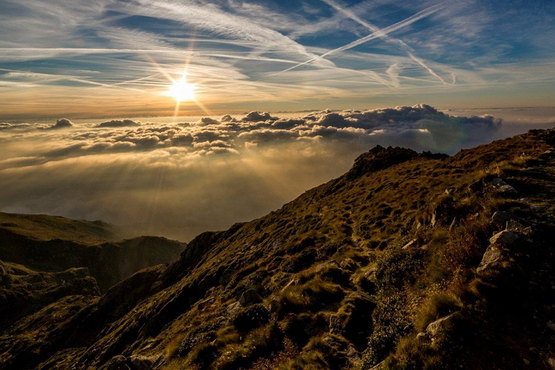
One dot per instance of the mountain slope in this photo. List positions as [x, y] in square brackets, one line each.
[50, 243]
[408, 261]
[43, 227]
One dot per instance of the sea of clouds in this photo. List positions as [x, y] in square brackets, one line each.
[180, 179]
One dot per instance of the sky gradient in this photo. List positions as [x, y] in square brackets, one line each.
[110, 58]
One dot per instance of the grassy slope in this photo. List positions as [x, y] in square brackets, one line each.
[43, 227]
[340, 285]
[51, 243]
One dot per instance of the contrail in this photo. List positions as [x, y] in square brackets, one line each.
[374, 35]
[421, 62]
[373, 28]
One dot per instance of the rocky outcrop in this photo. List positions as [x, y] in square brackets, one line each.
[379, 158]
[503, 188]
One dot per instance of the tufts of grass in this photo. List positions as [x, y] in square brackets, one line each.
[313, 295]
[437, 306]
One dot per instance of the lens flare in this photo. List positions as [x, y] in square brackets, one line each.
[182, 90]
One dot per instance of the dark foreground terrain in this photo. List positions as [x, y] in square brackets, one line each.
[45, 258]
[408, 261]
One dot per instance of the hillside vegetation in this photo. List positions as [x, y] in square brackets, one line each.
[53, 244]
[408, 261]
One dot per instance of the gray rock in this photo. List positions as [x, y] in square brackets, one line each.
[500, 218]
[143, 362]
[502, 187]
[249, 297]
[233, 308]
[437, 326]
[517, 227]
[491, 256]
[504, 238]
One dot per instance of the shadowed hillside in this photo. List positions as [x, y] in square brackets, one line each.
[408, 261]
[53, 244]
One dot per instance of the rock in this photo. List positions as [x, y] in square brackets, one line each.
[516, 226]
[551, 325]
[422, 336]
[249, 297]
[379, 158]
[435, 327]
[502, 187]
[491, 256]
[551, 362]
[505, 238]
[118, 362]
[450, 191]
[233, 308]
[500, 218]
[143, 362]
[511, 222]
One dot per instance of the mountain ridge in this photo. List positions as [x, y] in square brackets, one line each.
[375, 268]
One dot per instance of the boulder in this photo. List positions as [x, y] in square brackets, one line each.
[439, 325]
[518, 227]
[506, 238]
[233, 308]
[502, 187]
[143, 362]
[491, 256]
[507, 220]
[500, 218]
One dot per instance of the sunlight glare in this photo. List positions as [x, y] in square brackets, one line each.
[181, 90]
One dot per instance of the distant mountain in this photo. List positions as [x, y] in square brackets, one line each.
[53, 244]
[408, 261]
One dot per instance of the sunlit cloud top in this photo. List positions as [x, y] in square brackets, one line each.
[109, 58]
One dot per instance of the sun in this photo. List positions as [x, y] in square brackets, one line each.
[181, 90]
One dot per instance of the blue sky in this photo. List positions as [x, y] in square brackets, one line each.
[118, 58]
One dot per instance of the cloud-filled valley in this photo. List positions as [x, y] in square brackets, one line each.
[182, 178]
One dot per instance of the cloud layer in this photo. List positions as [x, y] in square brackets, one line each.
[183, 178]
